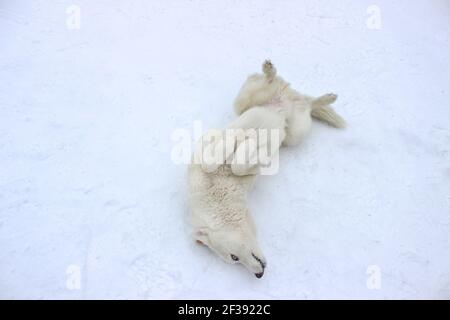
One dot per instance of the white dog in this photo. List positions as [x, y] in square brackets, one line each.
[218, 193]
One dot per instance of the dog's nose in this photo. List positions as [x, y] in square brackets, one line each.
[259, 275]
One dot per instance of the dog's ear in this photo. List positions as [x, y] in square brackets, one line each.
[202, 236]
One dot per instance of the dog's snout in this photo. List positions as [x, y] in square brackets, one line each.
[261, 262]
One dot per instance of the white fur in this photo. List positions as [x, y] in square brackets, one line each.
[220, 216]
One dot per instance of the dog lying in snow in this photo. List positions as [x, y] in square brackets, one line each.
[218, 193]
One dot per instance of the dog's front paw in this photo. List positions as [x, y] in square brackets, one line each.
[210, 167]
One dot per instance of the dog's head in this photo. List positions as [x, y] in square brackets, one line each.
[234, 245]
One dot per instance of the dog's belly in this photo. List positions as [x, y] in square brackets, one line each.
[260, 118]
[299, 125]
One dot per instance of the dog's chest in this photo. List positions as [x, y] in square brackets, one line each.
[225, 184]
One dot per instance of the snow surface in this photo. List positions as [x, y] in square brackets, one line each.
[87, 181]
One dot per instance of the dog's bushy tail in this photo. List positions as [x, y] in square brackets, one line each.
[322, 111]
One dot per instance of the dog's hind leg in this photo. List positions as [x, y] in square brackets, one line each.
[269, 70]
[326, 99]
[257, 89]
[321, 110]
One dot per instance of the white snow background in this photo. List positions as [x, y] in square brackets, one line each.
[88, 188]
